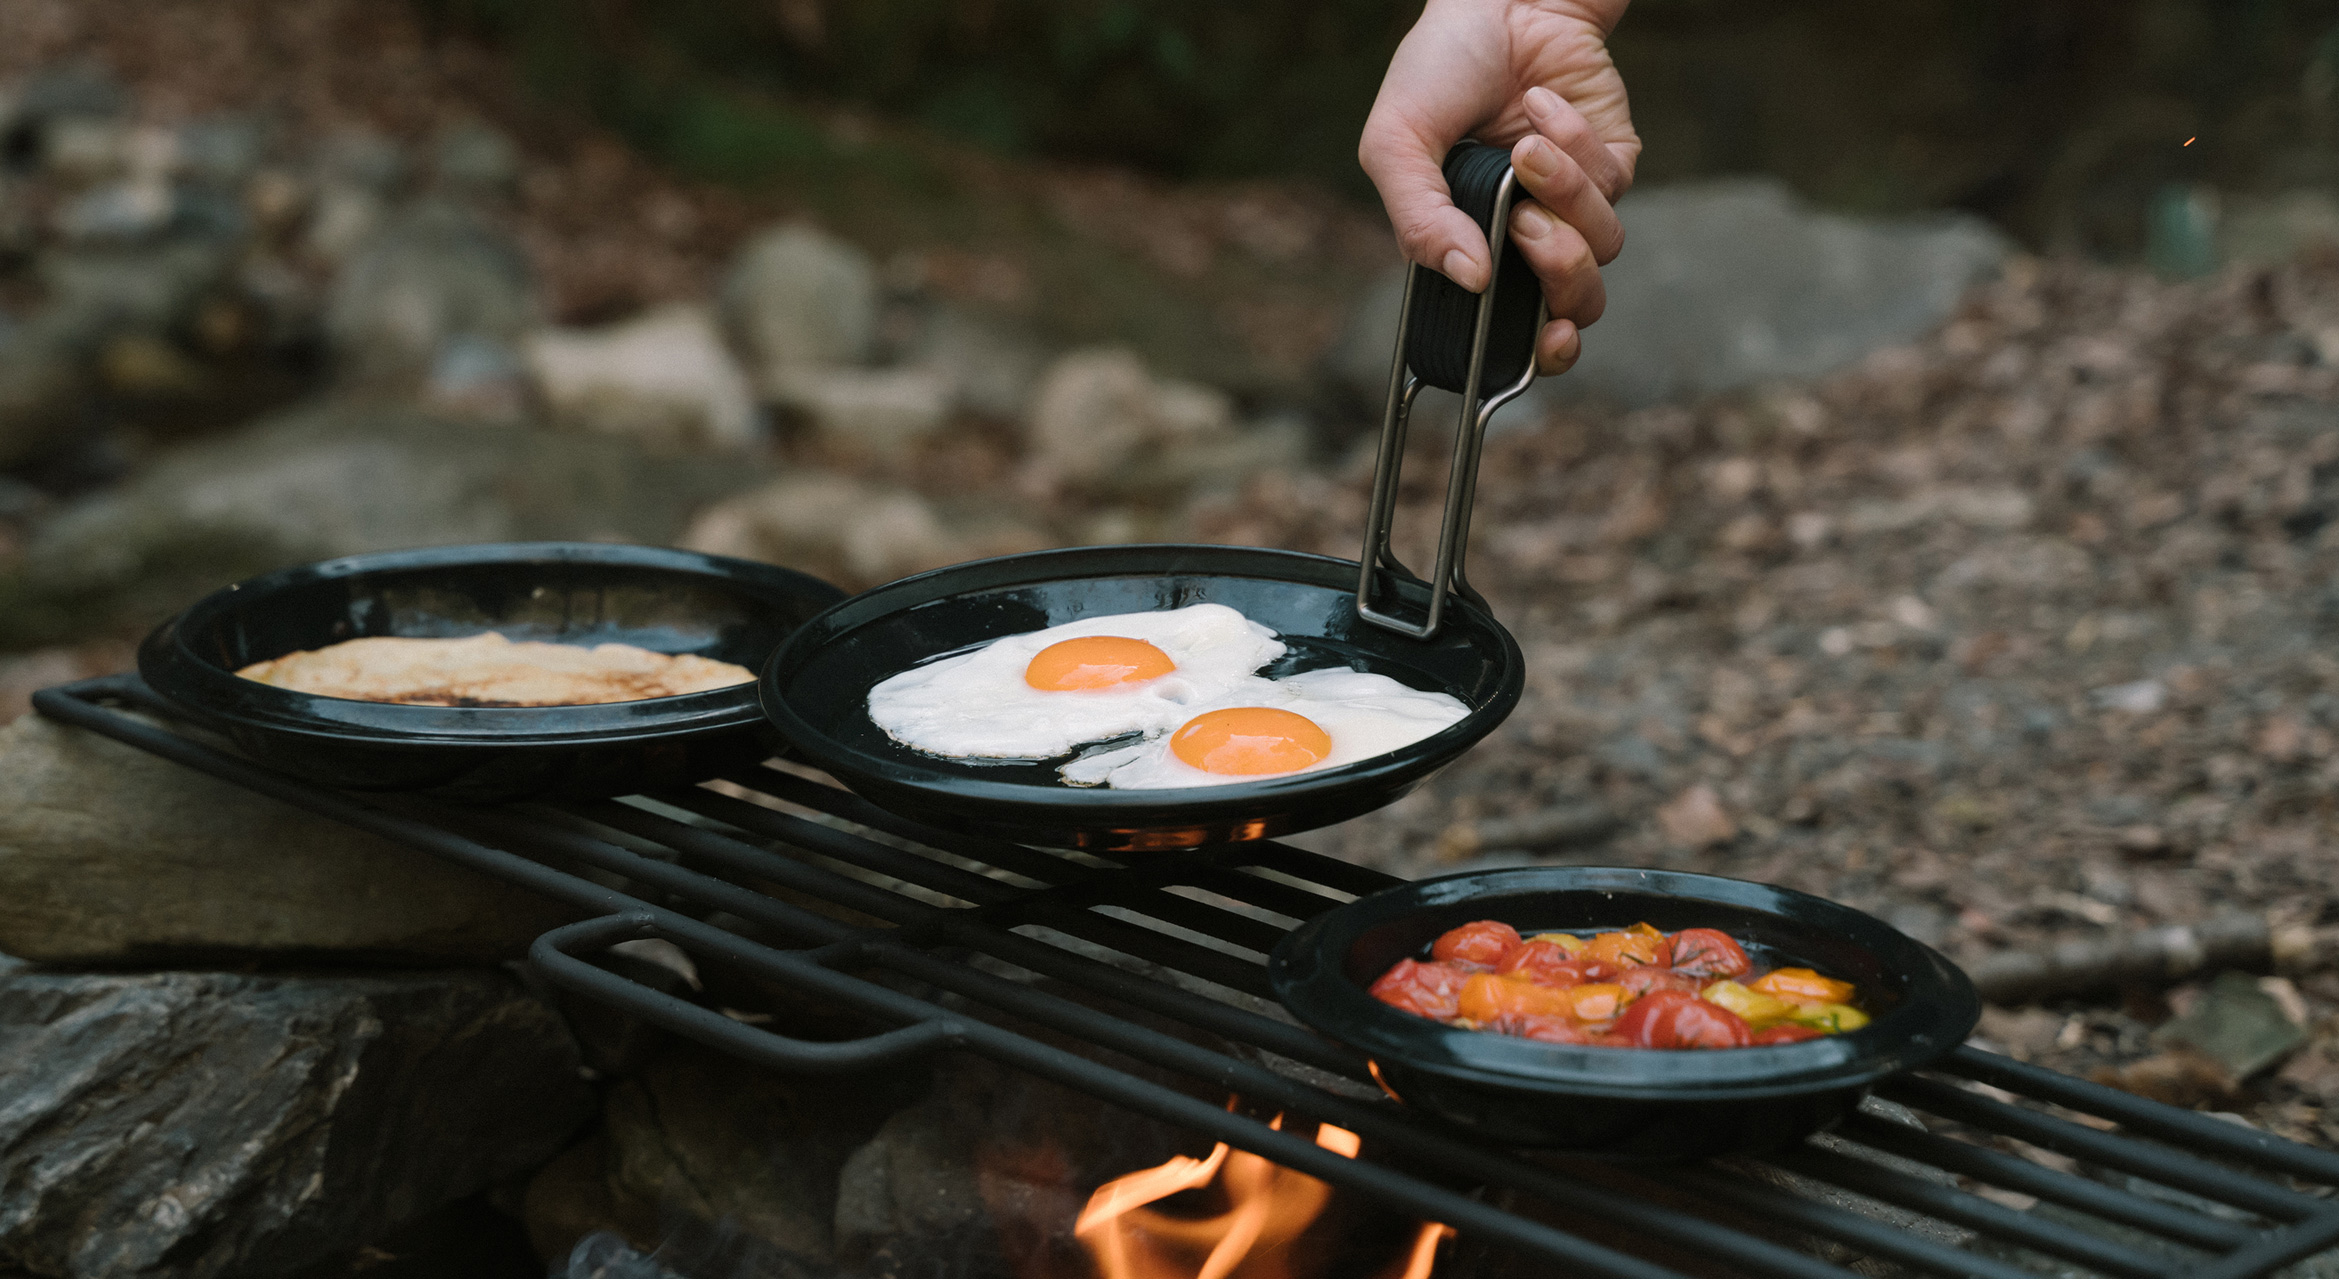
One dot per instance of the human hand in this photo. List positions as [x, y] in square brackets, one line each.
[1533, 75]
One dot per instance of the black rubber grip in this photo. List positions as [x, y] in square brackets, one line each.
[1437, 343]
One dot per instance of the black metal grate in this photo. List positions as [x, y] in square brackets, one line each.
[2125, 1188]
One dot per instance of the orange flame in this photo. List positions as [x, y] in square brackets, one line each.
[1270, 1206]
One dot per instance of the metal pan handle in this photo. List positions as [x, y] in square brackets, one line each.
[551, 956]
[1436, 348]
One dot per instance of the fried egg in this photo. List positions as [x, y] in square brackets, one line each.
[1043, 693]
[1272, 728]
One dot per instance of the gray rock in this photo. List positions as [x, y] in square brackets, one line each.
[337, 479]
[664, 378]
[363, 157]
[194, 1124]
[200, 869]
[986, 1175]
[1724, 284]
[989, 367]
[880, 415]
[427, 276]
[43, 376]
[1097, 413]
[472, 156]
[798, 297]
[711, 1140]
[855, 534]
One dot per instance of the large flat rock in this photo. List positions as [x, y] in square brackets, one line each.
[109, 855]
[193, 1124]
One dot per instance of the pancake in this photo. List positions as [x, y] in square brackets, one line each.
[490, 670]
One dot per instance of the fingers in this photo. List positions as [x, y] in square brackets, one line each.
[1563, 262]
[1430, 230]
[1557, 347]
[1561, 185]
[1609, 167]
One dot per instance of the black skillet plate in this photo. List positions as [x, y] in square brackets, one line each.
[1625, 1103]
[568, 592]
[817, 685]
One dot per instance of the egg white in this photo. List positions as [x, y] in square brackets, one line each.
[1365, 715]
[976, 705]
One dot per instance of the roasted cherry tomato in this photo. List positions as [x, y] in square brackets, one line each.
[1675, 1019]
[1803, 986]
[1646, 980]
[1486, 942]
[1709, 953]
[1788, 1034]
[1425, 990]
[1488, 998]
[1547, 963]
[1639, 944]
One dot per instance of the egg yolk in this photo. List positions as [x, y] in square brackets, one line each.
[1250, 739]
[1096, 661]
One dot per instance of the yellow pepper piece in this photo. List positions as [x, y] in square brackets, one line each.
[1833, 1019]
[1802, 986]
[1568, 942]
[1755, 1008]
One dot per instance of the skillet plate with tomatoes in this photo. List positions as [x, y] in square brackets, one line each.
[1625, 1102]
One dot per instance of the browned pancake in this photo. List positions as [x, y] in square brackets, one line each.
[489, 670]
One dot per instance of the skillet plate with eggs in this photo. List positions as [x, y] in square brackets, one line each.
[945, 652]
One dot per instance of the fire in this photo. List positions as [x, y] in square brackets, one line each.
[1269, 1207]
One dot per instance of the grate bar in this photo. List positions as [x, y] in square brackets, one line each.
[2001, 1169]
[1864, 1233]
[1950, 1204]
[2233, 1141]
[2168, 1167]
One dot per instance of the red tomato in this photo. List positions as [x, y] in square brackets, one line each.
[1550, 1030]
[1787, 1034]
[1676, 1019]
[1425, 990]
[1648, 981]
[1546, 964]
[1709, 953]
[1485, 942]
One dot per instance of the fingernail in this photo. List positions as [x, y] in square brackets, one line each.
[1532, 222]
[1461, 270]
[1538, 157]
[1542, 101]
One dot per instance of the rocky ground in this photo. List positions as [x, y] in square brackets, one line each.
[2013, 629]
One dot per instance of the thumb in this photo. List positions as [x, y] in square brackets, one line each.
[1430, 230]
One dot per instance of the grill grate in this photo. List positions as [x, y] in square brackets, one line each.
[2131, 1189]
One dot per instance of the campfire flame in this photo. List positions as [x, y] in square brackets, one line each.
[1269, 1207]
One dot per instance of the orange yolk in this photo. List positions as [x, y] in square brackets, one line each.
[1250, 739]
[1096, 661]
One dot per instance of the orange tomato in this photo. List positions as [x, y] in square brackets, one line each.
[1802, 986]
[1597, 1000]
[1488, 998]
[1639, 944]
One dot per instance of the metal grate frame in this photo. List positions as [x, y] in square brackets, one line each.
[2139, 1190]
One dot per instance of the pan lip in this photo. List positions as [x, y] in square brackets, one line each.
[1078, 805]
[169, 663]
[1938, 1009]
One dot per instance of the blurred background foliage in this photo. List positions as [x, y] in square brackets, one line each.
[2056, 118]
